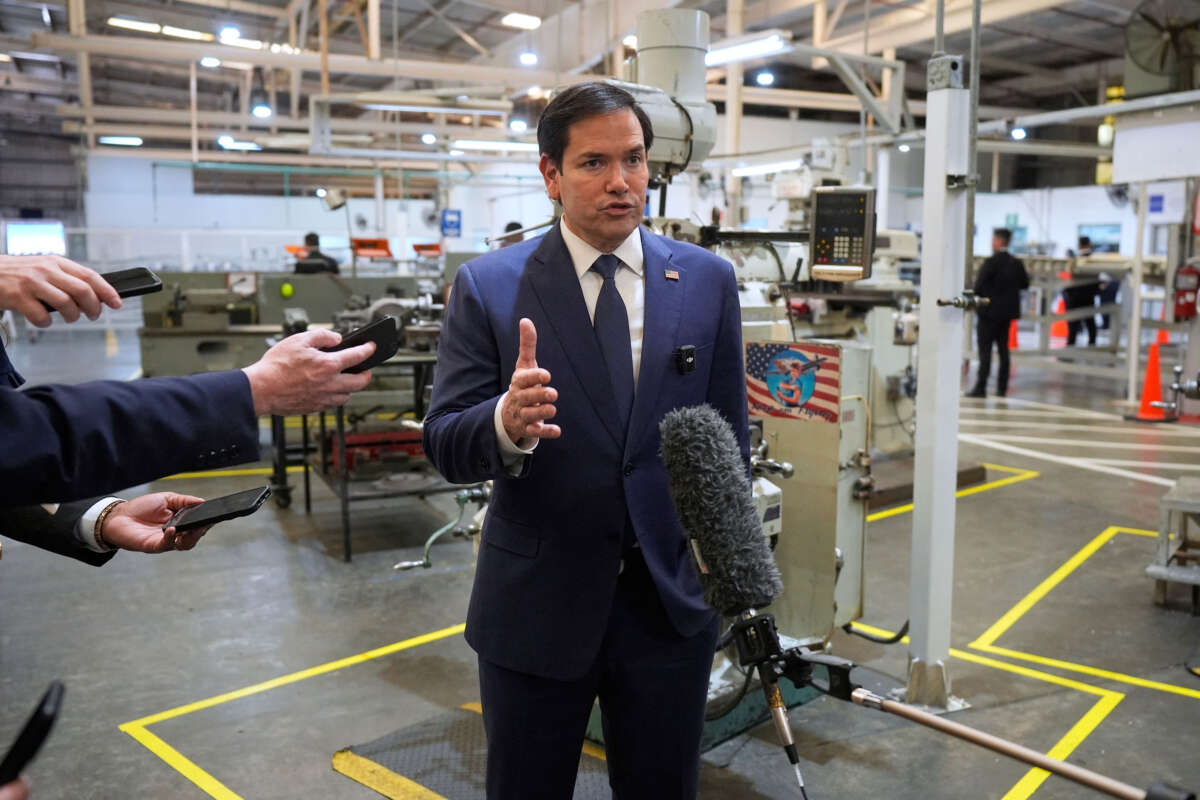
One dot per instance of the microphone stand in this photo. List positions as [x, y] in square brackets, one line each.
[758, 646]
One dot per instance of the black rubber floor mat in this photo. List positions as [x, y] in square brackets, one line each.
[444, 758]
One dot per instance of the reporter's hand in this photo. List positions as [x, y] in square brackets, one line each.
[17, 790]
[530, 398]
[70, 288]
[295, 377]
[137, 525]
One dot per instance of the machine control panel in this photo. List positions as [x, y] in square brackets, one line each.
[842, 243]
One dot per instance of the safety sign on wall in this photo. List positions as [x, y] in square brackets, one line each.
[451, 223]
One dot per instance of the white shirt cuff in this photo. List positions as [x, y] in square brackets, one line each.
[85, 527]
[513, 454]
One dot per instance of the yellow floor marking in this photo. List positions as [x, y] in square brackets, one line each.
[986, 642]
[378, 777]
[1074, 737]
[138, 728]
[1017, 476]
[110, 343]
[228, 473]
[589, 749]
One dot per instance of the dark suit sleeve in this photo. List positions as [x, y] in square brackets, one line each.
[1023, 279]
[65, 443]
[54, 532]
[983, 280]
[727, 381]
[460, 432]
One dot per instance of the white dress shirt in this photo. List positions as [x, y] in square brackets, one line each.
[631, 285]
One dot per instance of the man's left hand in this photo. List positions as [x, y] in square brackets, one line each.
[138, 524]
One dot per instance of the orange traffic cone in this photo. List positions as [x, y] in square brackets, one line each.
[1012, 335]
[1058, 330]
[1151, 392]
[1163, 337]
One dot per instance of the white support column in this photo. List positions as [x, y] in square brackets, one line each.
[380, 220]
[733, 110]
[883, 184]
[77, 25]
[931, 574]
[1133, 349]
[296, 74]
[373, 52]
[193, 104]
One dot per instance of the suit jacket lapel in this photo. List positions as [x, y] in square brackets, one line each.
[557, 287]
[664, 302]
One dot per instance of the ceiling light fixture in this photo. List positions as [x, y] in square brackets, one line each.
[247, 44]
[630, 41]
[428, 138]
[1018, 134]
[904, 148]
[212, 62]
[765, 78]
[321, 192]
[186, 33]
[5, 57]
[229, 32]
[529, 58]
[457, 152]
[260, 105]
[229, 143]
[518, 125]
[743, 48]
[766, 169]
[134, 25]
[501, 145]
[121, 141]
[526, 22]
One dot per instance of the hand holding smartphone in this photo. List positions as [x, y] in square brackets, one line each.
[219, 509]
[128, 283]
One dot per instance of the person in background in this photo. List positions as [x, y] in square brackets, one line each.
[315, 261]
[515, 238]
[1081, 295]
[1000, 279]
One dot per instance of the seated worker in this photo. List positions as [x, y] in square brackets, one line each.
[315, 261]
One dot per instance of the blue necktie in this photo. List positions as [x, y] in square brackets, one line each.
[612, 332]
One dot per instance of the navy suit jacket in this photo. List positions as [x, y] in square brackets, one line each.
[54, 532]
[61, 443]
[551, 542]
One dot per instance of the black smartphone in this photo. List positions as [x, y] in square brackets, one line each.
[219, 509]
[30, 740]
[128, 283]
[385, 333]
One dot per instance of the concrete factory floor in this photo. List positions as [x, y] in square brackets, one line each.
[158, 652]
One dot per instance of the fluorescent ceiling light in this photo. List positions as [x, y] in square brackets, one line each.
[765, 78]
[134, 25]
[743, 48]
[229, 143]
[518, 125]
[212, 62]
[501, 145]
[1017, 134]
[904, 148]
[5, 57]
[526, 22]
[230, 32]
[321, 191]
[630, 41]
[766, 169]
[122, 141]
[428, 138]
[249, 44]
[457, 152]
[184, 33]
[261, 111]
[529, 58]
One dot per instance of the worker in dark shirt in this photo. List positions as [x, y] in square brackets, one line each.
[315, 261]
[1082, 294]
[1000, 279]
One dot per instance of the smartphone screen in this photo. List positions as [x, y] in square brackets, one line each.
[219, 509]
[133, 282]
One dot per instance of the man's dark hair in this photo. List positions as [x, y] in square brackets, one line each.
[579, 102]
[513, 226]
[311, 240]
[1004, 234]
[1085, 241]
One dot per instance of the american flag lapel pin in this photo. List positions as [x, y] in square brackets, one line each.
[672, 274]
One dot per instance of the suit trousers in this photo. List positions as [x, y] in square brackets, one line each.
[990, 332]
[652, 684]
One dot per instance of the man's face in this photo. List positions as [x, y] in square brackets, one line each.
[601, 182]
[998, 244]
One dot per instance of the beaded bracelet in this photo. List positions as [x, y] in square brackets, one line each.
[99, 527]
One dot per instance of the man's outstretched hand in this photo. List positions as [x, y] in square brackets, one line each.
[530, 399]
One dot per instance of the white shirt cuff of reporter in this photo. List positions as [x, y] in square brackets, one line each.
[513, 454]
[85, 527]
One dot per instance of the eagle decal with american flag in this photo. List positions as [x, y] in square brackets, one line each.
[795, 379]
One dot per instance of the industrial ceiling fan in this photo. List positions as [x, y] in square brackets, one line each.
[1162, 37]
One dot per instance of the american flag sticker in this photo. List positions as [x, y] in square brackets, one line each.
[795, 379]
[672, 274]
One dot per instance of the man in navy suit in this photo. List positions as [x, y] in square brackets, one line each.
[585, 585]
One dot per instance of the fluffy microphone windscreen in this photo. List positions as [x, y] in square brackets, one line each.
[712, 496]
